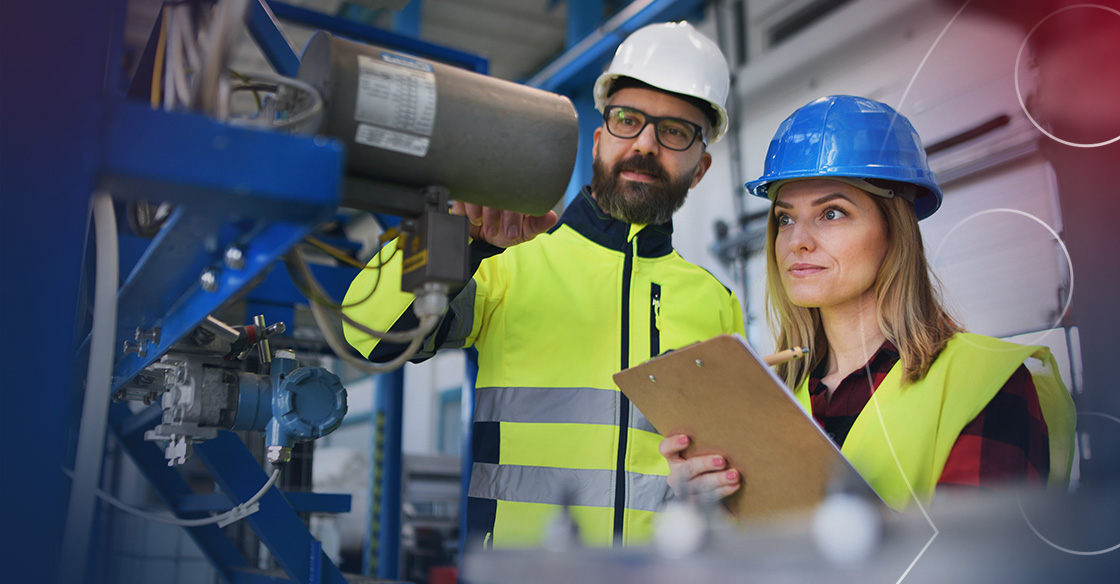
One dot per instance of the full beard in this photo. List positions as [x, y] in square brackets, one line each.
[651, 203]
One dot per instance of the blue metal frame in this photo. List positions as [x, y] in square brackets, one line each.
[266, 32]
[385, 484]
[259, 191]
[375, 36]
[170, 486]
[277, 524]
[406, 21]
[576, 69]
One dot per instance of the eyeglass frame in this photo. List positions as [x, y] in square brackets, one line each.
[651, 119]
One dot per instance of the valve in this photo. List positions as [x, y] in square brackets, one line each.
[201, 394]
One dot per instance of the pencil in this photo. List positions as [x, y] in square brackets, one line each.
[786, 355]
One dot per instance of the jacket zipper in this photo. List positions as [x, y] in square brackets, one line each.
[624, 402]
[654, 320]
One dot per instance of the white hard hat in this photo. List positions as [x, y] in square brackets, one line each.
[673, 57]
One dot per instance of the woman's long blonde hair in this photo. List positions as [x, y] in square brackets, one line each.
[908, 305]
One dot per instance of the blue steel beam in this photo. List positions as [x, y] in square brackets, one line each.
[466, 448]
[276, 523]
[578, 65]
[583, 17]
[301, 502]
[376, 36]
[385, 478]
[189, 158]
[268, 35]
[258, 191]
[406, 21]
[169, 485]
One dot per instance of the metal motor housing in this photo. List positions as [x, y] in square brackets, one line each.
[412, 123]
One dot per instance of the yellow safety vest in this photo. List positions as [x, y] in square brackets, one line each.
[903, 436]
[553, 320]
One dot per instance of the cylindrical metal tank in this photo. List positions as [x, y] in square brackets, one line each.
[413, 123]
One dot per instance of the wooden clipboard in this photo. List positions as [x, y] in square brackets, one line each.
[721, 394]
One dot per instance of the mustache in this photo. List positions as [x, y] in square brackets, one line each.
[641, 164]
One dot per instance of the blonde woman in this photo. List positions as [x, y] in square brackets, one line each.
[847, 277]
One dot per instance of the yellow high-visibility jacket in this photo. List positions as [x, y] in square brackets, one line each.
[553, 320]
[923, 420]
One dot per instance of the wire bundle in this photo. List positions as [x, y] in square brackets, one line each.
[191, 71]
[323, 307]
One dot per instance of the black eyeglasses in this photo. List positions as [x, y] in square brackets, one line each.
[672, 133]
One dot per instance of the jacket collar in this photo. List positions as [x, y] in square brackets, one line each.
[584, 216]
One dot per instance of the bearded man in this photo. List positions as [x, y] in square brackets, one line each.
[554, 317]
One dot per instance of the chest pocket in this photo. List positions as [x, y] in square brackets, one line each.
[682, 315]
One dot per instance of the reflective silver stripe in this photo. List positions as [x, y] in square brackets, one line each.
[566, 405]
[461, 313]
[648, 492]
[564, 486]
[638, 421]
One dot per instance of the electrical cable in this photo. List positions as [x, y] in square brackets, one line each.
[215, 50]
[341, 256]
[157, 68]
[303, 118]
[340, 350]
[169, 64]
[307, 285]
[179, 29]
[305, 281]
[98, 387]
[338, 254]
[189, 39]
[310, 287]
[248, 84]
[232, 516]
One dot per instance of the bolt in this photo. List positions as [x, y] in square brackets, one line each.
[699, 363]
[652, 378]
[209, 280]
[134, 347]
[235, 258]
[152, 335]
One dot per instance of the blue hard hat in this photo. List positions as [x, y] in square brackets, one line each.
[843, 136]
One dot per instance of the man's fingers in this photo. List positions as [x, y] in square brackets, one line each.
[474, 213]
[491, 224]
[534, 226]
[503, 228]
[511, 227]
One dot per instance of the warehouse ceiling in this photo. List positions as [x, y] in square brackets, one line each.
[518, 37]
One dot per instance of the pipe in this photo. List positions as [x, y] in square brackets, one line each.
[95, 405]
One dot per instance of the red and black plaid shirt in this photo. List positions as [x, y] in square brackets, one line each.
[1007, 441]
